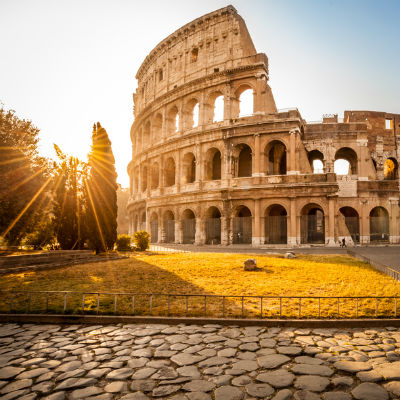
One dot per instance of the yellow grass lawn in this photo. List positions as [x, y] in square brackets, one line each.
[215, 274]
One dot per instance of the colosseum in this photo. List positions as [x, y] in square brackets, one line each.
[206, 169]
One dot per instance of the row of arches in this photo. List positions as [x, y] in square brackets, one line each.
[192, 114]
[346, 163]
[312, 225]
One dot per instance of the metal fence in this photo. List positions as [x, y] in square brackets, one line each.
[154, 231]
[242, 230]
[276, 229]
[312, 229]
[169, 226]
[353, 226]
[213, 230]
[197, 305]
[379, 229]
[189, 230]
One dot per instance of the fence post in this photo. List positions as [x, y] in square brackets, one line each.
[338, 307]
[187, 305]
[98, 303]
[29, 303]
[376, 307]
[11, 302]
[133, 305]
[65, 302]
[280, 307]
[47, 302]
[299, 307]
[357, 307]
[261, 307]
[319, 307]
[242, 306]
[205, 305]
[115, 303]
[223, 306]
[83, 303]
[151, 304]
[169, 304]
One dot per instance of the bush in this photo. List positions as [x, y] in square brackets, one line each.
[124, 243]
[141, 239]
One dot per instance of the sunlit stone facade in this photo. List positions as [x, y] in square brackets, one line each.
[205, 172]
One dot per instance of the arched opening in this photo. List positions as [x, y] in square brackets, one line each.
[188, 226]
[348, 224]
[244, 161]
[246, 103]
[275, 153]
[213, 164]
[155, 173]
[345, 162]
[191, 114]
[242, 226]
[146, 134]
[154, 228]
[218, 112]
[276, 224]
[169, 227]
[157, 127]
[144, 178]
[213, 226]
[316, 159]
[312, 224]
[189, 168]
[378, 225]
[173, 120]
[169, 172]
[143, 221]
[390, 169]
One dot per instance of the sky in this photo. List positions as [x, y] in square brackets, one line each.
[67, 64]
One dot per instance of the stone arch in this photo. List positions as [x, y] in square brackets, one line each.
[242, 225]
[155, 176]
[213, 225]
[348, 155]
[316, 160]
[191, 114]
[188, 226]
[153, 227]
[312, 224]
[144, 178]
[189, 168]
[169, 226]
[173, 120]
[276, 159]
[348, 225]
[244, 104]
[157, 126]
[390, 169]
[244, 160]
[213, 164]
[215, 105]
[275, 224]
[169, 172]
[379, 225]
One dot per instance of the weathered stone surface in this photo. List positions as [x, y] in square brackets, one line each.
[199, 385]
[305, 395]
[352, 366]
[309, 369]
[79, 394]
[165, 390]
[228, 393]
[393, 387]
[259, 389]
[186, 359]
[272, 361]
[10, 372]
[311, 382]
[75, 383]
[279, 378]
[245, 365]
[369, 391]
[389, 371]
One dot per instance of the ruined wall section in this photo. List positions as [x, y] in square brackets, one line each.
[216, 42]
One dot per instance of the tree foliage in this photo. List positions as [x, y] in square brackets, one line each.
[101, 193]
[68, 201]
[141, 239]
[25, 180]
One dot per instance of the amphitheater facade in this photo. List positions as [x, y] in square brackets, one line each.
[204, 171]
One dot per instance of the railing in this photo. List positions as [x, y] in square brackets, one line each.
[197, 305]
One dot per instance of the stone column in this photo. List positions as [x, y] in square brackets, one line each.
[164, 125]
[178, 170]
[224, 231]
[256, 239]
[200, 236]
[364, 223]
[362, 167]
[178, 231]
[257, 157]
[292, 168]
[394, 234]
[292, 239]
[330, 236]
[227, 102]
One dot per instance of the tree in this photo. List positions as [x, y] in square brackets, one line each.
[101, 193]
[67, 202]
[24, 178]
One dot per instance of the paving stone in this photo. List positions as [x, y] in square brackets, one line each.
[98, 373]
[43, 387]
[86, 392]
[186, 359]
[241, 380]
[190, 371]
[352, 366]
[268, 343]
[305, 395]
[10, 372]
[144, 373]
[369, 376]
[33, 373]
[279, 378]
[259, 389]
[137, 362]
[245, 365]
[284, 394]
[228, 393]
[165, 390]
[17, 394]
[389, 371]
[272, 361]
[116, 387]
[72, 383]
[165, 373]
[199, 385]
[311, 382]
[309, 369]
[289, 350]
[308, 360]
[198, 396]
[336, 396]
[369, 391]
[342, 381]
[145, 385]
[228, 352]
[135, 396]
[393, 387]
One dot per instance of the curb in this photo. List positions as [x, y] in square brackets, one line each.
[113, 319]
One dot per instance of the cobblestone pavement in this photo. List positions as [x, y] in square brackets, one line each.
[197, 362]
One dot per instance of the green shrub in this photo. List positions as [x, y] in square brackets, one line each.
[141, 239]
[124, 243]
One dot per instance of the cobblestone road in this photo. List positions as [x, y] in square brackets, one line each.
[197, 363]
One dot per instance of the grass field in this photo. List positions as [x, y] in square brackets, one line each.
[213, 274]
